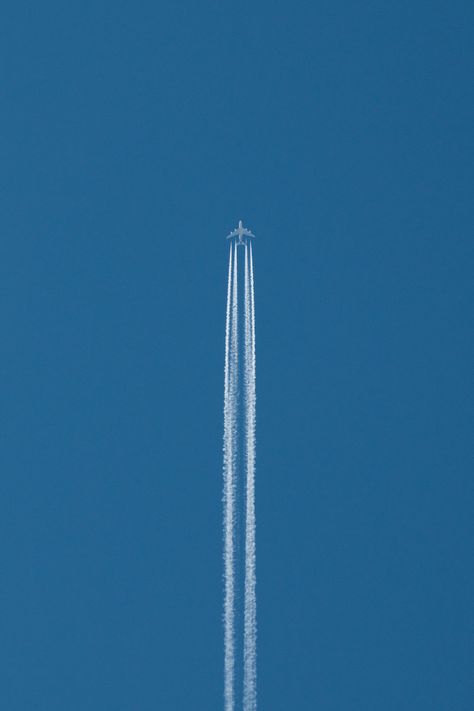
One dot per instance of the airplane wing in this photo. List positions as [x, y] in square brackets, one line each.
[234, 233]
[248, 233]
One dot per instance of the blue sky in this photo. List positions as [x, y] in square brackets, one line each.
[133, 137]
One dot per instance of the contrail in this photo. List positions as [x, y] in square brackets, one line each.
[252, 297]
[229, 508]
[239, 448]
[234, 400]
[250, 601]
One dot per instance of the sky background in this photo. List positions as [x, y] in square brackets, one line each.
[133, 137]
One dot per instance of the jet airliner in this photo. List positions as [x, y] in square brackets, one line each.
[240, 232]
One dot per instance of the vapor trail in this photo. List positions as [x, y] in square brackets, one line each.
[252, 298]
[250, 601]
[229, 506]
[239, 411]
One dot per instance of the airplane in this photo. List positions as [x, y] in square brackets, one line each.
[240, 232]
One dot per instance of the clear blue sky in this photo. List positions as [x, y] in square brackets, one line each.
[133, 137]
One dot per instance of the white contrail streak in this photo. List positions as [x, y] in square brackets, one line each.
[239, 410]
[250, 601]
[229, 509]
[234, 398]
[252, 297]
